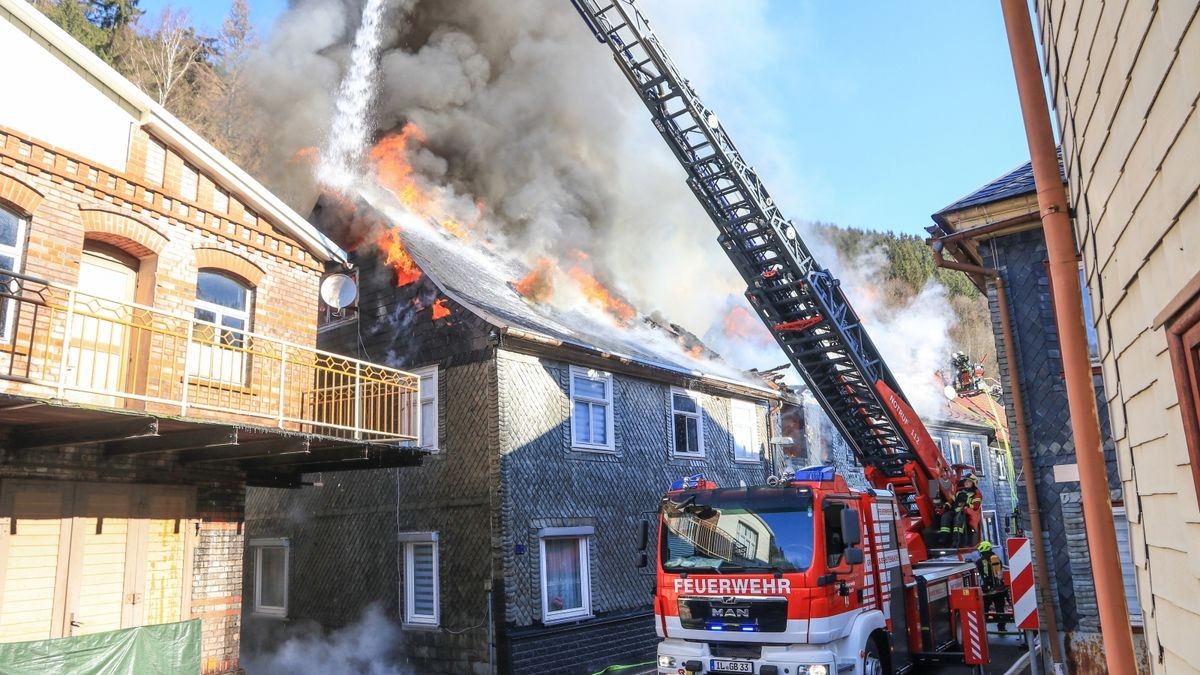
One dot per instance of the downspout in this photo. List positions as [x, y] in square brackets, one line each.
[1018, 404]
[1077, 367]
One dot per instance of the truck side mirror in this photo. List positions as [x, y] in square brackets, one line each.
[644, 538]
[851, 530]
[853, 556]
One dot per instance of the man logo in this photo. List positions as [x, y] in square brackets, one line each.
[731, 612]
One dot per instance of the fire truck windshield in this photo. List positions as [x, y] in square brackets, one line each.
[738, 530]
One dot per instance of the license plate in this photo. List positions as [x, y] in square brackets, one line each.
[732, 666]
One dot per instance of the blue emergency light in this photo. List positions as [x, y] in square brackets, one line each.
[815, 473]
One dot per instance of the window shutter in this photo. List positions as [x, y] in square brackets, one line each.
[422, 558]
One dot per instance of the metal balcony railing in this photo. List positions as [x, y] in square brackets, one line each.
[61, 342]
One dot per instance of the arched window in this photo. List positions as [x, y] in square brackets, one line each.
[12, 240]
[224, 304]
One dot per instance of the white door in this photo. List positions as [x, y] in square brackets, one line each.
[101, 326]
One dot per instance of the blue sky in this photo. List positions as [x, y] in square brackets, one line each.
[871, 115]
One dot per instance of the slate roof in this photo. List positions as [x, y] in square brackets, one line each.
[479, 279]
[979, 409]
[1017, 182]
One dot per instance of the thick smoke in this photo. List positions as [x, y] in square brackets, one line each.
[524, 113]
[368, 647]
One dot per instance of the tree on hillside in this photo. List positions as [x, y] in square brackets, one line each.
[232, 122]
[103, 26]
[168, 61]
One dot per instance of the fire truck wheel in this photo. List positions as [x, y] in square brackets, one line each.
[875, 658]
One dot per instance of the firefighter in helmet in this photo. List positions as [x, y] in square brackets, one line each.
[991, 573]
[960, 519]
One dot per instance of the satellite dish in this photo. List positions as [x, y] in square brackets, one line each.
[949, 393]
[338, 290]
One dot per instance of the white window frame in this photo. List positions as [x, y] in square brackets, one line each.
[977, 453]
[754, 441]
[217, 352]
[1120, 519]
[429, 394]
[941, 445]
[699, 415]
[16, 252]
[1001, 465]
[410, 540]
[258, 545]
[607, 401]
[956, 451]
[583, 535]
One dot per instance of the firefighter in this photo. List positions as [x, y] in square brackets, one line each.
[960, 514]
[991, 572]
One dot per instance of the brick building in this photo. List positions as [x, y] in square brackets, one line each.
[553, 437]
[158, 312]
[998, 227]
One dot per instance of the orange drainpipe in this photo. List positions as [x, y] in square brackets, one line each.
[1068, 315]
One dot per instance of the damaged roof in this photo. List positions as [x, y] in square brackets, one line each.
[480, 280]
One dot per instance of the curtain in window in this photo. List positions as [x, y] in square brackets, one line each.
[564, 583]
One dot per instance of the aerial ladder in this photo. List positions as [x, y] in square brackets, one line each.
[798, 299]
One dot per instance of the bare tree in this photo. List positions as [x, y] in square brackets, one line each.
[232, 122]
[163, 58]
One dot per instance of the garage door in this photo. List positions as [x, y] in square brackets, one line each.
[78, 558]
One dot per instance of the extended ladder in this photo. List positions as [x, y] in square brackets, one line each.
[798, 299]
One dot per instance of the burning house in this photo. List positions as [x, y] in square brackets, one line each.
[157, 354]
[551, 436]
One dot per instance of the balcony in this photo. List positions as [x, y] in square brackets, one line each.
[64, 346]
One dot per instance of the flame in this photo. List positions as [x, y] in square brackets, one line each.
[440, 310]
[307, 155]
[538, 285]
[395, 172]
[455, 228]
[740, 324]
[398, 257]
[598, 294]
[696, 351]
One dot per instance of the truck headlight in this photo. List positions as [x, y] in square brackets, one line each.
[666, 662]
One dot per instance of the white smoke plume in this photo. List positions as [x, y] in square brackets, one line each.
[523, 112]
[368, 647]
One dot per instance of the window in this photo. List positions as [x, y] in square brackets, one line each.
[956, 455]
[270, 576]
[743, 426]
[220, 351]
[189, 182]
[1001, 466]
[1089, 325]
[941, 445]
[566, 584]
[1128, 573]
[429, 406]
[687, 423]
[1182, 322]
[12, 243]
[748, 538]
[421, 605]
[156, 161]
[977, 459]
[591, 410]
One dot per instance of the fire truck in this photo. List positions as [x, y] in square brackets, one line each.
[804, 575]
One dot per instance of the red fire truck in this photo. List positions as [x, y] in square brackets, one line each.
[805, 575]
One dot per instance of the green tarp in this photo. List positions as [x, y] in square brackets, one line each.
[165, 648]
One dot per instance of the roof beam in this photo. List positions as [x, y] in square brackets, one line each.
[339, 453]
[265, 448]
[207, 437]
[376, 460]
[38, 437]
